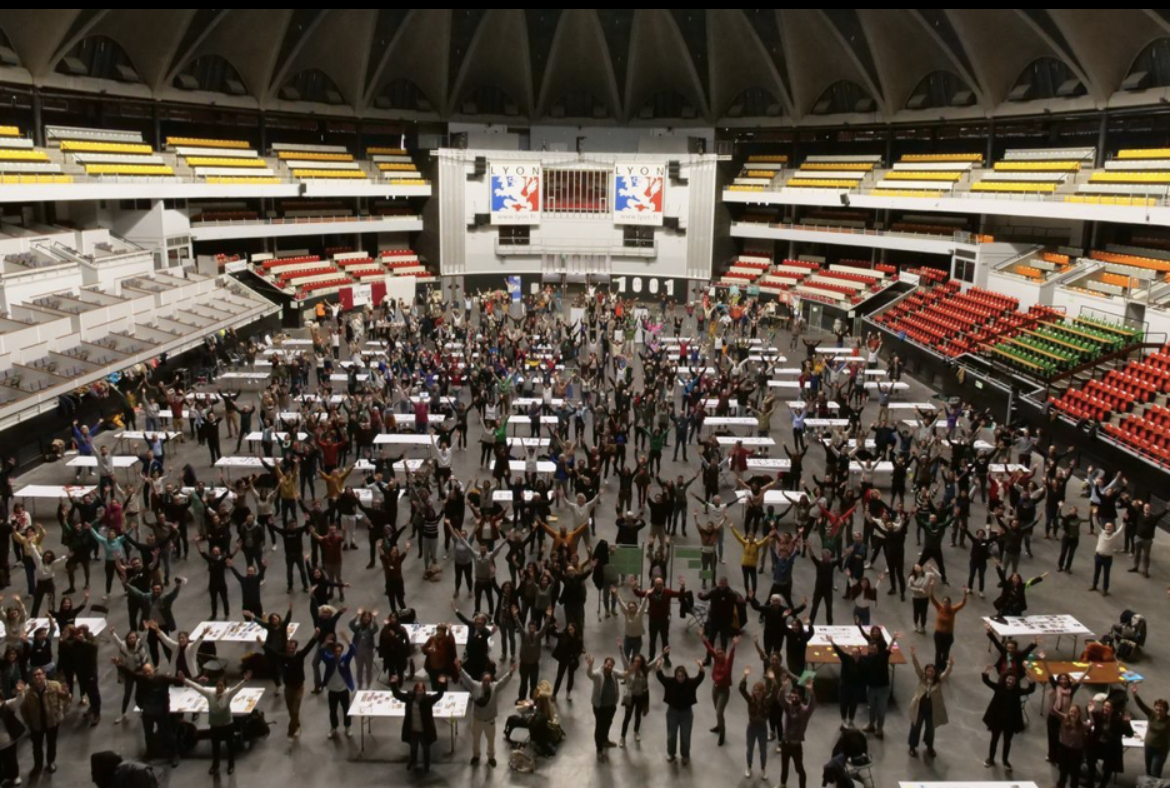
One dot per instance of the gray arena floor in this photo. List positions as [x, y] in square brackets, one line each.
[961, 745]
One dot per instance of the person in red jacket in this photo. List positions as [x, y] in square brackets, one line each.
[722, 663]
[659, 599]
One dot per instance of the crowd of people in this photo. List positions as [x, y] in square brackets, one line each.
[572, 418]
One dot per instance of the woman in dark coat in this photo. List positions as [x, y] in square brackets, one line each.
[418, 726]
[1005, 714]
[1109, 729]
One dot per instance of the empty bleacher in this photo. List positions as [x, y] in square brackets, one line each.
[833, 172]
[927, 175]
[316, 162]
[1035, 170]
[102, 152]
[1135, 172]
[213, 159]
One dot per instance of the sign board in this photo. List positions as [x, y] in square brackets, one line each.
[514, 191]
[639, 192]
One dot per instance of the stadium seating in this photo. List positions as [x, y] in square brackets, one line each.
[1035, 170]
[833, 172]
[923, 175]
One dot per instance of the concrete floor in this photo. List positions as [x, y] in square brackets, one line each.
[961, 745]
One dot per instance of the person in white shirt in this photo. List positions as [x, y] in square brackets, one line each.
[1103, 559]
[219, 702]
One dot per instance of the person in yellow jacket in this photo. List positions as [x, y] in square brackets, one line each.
[751, 557]
[334, 487]
[286, 483]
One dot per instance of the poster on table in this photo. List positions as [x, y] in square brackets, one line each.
[515, 191]
[639, 192]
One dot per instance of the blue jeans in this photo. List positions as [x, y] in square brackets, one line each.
[879, 700]
[757, 734]
[1155, 761]
[631, 646]
[678, 725]
[1102, 562]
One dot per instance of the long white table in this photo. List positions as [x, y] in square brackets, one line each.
[421, 633]
[409, 465]
[139, 435]
[1006, 469]
[881, 467]
[368, 705]
[799, 403]
[731, 440]
[731, 421]
[844, 636]
[782, 497]
[1038, 626]
[247, 377]
[539, 443]
[971, 784]
[405, 439]
[185, 700]
[234, 631]
[96, 626]
[407, 419]
[505, 496]
[296, 342]
[1060, 625]
[826, 422]
[913, 406]
[527, 402]
[768, 465]
[257, 437]
[240, 462]
[337, 377]
[542, 466]
[54, 491]
[899, 386]
[119, 461]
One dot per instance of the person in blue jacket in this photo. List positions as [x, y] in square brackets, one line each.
[338, 681]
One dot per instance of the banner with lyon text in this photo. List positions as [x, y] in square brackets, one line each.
[515, 191]
[639, 193]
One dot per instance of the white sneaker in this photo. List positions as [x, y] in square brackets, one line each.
[348, 733]
[747, 773]
[764, 776]
[119, 720]
[332, 733]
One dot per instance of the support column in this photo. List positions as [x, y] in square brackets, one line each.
[1099, 162]
[158, 137]
[38, 129]
[990, 142]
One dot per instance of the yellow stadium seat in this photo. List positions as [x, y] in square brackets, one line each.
[237, 180]
[310, 156]
[771, 158]
[760, 174]
[207, 161]
[197, 142]
[22, 154]
[818, 183]
[1144, 153]
[323, 174]
[385, 165]
[9, 131]
[742, 188]
[905, 193]
[862, 166]
[128, 169]
[1037, 166]
[912, 158]
[922, 175]
[383, 151]
[409, 182]
[85, 146]
[1012, 186]
[1125, 176]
